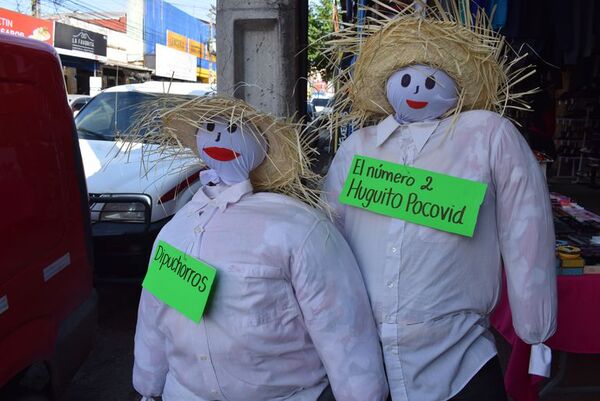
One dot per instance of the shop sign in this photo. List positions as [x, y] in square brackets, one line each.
[176, 41]
[196, 48]
[174, 63]
[16, 24]
[79, 42]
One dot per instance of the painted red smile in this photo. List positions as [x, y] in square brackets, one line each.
[221, 154]
[414, 104]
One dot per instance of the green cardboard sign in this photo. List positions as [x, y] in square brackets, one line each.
[419, 196]
[179, 280]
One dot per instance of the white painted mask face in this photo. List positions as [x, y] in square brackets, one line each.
[420, 93]
[232, 150]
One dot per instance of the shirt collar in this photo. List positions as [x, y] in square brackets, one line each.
[422, 131]
[385, 128]
[419, 131]
[228, 195]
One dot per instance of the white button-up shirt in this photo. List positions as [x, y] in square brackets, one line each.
[288, 313]
[432, 291]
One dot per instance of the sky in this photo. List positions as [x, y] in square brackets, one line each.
[197, 8]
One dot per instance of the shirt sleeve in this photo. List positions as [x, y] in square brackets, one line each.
[337, 314]
[333, 184]
[150, 362]
[526, 234]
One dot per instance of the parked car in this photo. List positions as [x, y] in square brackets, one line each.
[76, 102]
[130, 202]
[322, 105]
[47, 301]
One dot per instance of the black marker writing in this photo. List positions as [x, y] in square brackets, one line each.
[184, 272]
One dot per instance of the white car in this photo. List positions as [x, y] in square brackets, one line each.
[76, 102]
[130, 202]
[322, 105]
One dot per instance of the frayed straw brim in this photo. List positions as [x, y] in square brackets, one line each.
[286, 168]
[470, 52]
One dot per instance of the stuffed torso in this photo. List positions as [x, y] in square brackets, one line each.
[252, 343]
[288, 314]
[430, 290]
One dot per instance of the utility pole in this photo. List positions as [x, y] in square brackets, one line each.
[36, 8]
[261, 57]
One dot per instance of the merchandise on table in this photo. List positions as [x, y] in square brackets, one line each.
[591, 269]
[578, 237]
[544, 160]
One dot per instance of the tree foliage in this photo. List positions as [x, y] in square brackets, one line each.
[320, 24]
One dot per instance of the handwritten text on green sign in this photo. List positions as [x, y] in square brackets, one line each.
[419, 196]
[179, 280]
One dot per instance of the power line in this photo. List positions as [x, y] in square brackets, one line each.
[136, 28]
[99, 14]
[74, 6]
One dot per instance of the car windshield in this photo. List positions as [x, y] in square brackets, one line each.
[109, 114]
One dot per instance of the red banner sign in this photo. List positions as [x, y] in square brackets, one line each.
[13, 23]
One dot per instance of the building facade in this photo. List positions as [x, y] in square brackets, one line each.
[151, 40]
[176, 45]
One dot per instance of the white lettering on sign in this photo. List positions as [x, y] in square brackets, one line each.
[3, 304]
[12, 32]
[6, 22]
[82, 42]
[55, 267]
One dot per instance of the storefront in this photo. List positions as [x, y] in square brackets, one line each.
[116, 73]
[82, 53]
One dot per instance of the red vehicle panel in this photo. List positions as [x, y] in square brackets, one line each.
[46, 290]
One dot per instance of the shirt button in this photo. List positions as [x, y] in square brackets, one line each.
[391, 285]
[199, 229]
[204, 357]
[394, 250]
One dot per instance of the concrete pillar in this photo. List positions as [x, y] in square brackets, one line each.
[258, 42]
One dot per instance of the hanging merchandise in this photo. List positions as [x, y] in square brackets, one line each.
[436, 192]
[251, 293]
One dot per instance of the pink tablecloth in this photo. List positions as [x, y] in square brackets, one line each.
[578, 331]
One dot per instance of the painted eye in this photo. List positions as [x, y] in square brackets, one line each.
[232, 128]
[405, 80]
[430, 82]
[210, 127]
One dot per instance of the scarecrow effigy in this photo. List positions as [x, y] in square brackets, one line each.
[437, 195]
[288, 316]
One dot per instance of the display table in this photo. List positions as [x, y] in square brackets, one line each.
[578, 332]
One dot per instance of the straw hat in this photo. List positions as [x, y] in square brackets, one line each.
[463, 45]
[173, 122]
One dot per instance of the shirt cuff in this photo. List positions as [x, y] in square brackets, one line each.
[540, 360]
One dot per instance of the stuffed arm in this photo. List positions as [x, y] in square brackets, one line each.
[337, 314]
[150, 364]
[526, 234]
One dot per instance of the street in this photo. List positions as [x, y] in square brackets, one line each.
[106, 374]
